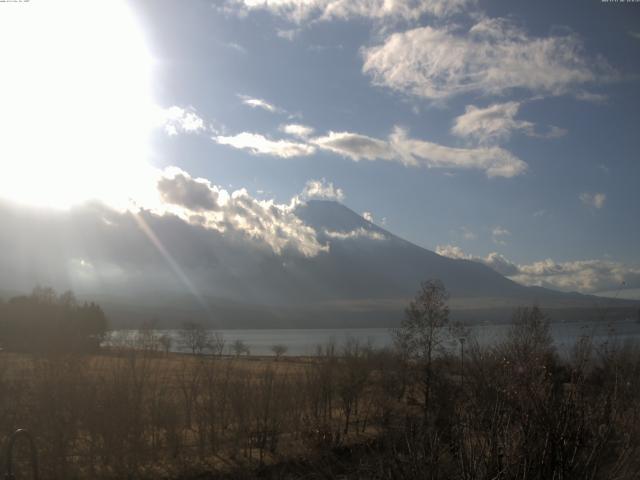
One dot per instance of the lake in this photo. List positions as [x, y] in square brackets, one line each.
[306, 341]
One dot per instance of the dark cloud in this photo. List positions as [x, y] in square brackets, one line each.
[187, 192]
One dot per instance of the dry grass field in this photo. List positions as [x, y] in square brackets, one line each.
[515, 410]
[137, 412]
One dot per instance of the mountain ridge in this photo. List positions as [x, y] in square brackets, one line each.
[363, 276]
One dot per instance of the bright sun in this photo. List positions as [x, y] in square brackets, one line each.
[75, 102]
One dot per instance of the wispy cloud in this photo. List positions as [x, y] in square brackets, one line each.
[237, 47]
[496, 122]
[355, 234]
[498, 233]
[299, 11]
[595, 200]
[399, 147]
[260, 103]
[597, 98]
[259, 144]
[356, 146]
[467, 233]
[288, 34]
[491, 58]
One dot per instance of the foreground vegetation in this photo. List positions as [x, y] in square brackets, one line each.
[514, 410]
[46, 322]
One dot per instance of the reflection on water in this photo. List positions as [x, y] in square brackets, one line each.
[305, 341]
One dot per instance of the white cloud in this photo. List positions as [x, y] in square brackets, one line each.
[260, 103]
[300, 11]
[491, 124]
[177, 120]
[398, 147]
[494, 260]
[452, 251]
[583, 275]
[353, 234]
[355, 146]
[321, 189]
[496, 123]
[586, 276]
[497, 233]
[368, 216]
[501, 264]
[493, 57]
[200, 203]
[494, 161]
[259, 144]
[297, 130]
[595, 200]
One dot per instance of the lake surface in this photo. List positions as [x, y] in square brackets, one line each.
[306, 341]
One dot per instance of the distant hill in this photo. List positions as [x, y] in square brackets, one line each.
[365, 277]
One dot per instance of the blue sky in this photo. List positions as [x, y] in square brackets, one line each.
[505, 132]
[575, 125]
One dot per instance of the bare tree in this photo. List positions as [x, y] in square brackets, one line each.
[239, 347]
[528, 346]
[194, 337]
[279, 350]
[530, 333]
[146, 338]
[217, 343]
[422, 333]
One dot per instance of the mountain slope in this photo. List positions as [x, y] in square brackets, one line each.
[388, 266]
[364, 280]
[363, 275]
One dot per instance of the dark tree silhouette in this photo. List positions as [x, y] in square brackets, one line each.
[44, 321]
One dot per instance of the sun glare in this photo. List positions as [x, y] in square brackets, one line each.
[75, 102]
